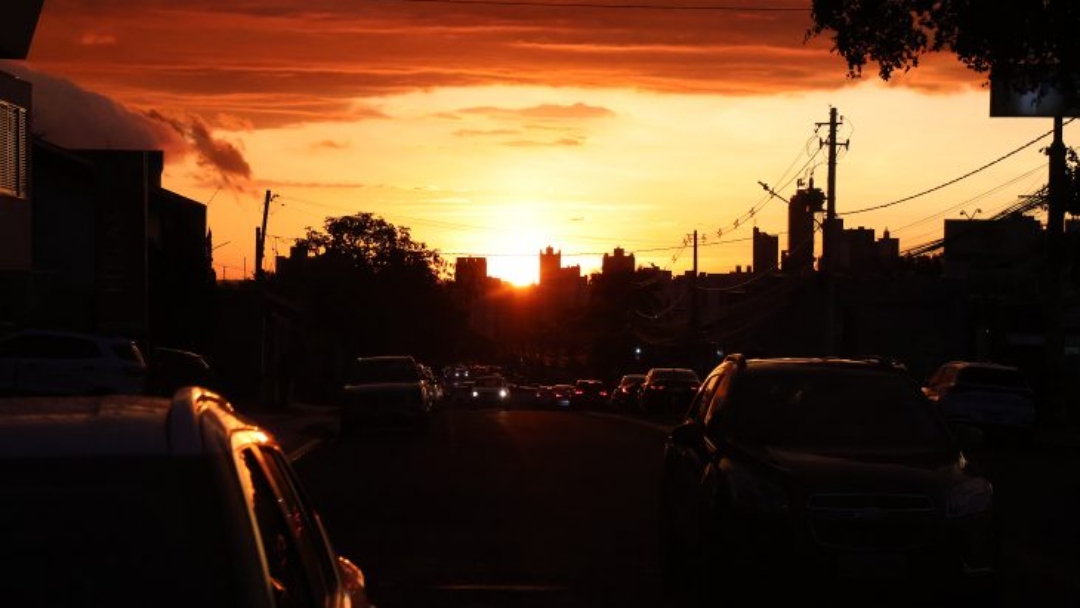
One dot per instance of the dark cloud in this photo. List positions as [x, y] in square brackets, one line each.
[71, 116]
[222, 158]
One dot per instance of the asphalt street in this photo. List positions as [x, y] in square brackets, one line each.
[523, 507]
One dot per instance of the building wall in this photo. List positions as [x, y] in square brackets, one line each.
[15, 171]
[766, 252]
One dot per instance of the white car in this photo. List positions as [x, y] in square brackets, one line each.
[491, 389]
[984, 395]
[43, 362]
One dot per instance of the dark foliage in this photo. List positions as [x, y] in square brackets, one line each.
[1027, 42]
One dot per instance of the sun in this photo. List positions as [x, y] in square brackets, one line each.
[518, 270]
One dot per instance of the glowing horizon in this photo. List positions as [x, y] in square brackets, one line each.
[528, 130]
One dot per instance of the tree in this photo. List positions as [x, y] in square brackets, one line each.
[1025, 42]
[366, 288]
[372, 244]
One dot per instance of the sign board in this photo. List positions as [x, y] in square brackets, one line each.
[1046, 102]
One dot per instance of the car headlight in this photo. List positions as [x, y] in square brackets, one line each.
[751, 492]
[503, 393]
[970, 497]
[476, 393]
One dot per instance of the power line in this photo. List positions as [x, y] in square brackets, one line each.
[971, 200]
[954, 180]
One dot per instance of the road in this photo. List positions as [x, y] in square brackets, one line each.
[527, 508]
[492, 507]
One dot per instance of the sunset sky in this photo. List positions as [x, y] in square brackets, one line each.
[499, 129]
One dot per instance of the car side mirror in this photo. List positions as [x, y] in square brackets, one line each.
[688, 435]
[353, 580]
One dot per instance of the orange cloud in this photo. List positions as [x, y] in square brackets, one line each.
[95, 39]
[283, 62]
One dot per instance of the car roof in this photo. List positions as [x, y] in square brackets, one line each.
[981, 365]
[882, 364]
[193, 421]
[67, 334]
[388, 358]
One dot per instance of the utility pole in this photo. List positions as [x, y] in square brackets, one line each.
[829, 235]
[260, 239]
[693, 291]
[1054, 333]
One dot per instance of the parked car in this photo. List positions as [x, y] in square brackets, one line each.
[45, 362]
[171, 369]
[490, 389]
[386, 389]
[626, 394]
[667, 390]
[588, 394]
[144, 501]
[994, 398]
[788, 473]
[438, 392]
[555, 395]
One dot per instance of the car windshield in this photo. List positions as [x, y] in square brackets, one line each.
[377, 371]
[114, 531]
[490, 382]
[992, 376]
[674, 375]
[831, 408]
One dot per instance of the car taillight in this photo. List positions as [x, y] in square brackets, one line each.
[579, 392]
[656, 387]
[603, 393]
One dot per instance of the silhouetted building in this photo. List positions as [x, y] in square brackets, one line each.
[470, 273]
[113, 251]
[18, 20]
[15, 170]
[766, 252]
[801, 210]
[856, 252]
[560, 288]
[888, 250]
[618, 262]
[994, 252]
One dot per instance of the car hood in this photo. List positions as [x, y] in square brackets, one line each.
[864, 470]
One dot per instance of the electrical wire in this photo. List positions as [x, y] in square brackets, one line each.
[955, 179]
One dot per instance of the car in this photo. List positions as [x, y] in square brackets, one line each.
[54, 362]
[667, 390]
[136, 500]
[792, 473]
[171, 369]
[490, 390]
[991, 397]
[554, 395]
[386, 388]
[588, 394]
[438, 392]
[626, 394]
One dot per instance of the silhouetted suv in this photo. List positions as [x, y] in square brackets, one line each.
[793, 472]
[143, 501]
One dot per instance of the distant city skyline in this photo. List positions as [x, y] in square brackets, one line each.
[612, 128]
